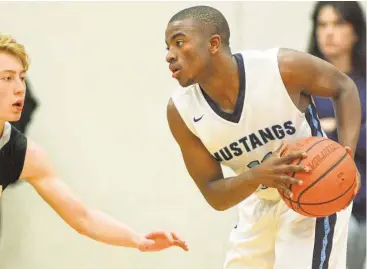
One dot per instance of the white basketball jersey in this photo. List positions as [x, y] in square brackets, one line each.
[4, 139]
[6, 135]
[264, 116]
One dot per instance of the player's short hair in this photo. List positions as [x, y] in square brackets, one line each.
[9, 45]
[210, 18]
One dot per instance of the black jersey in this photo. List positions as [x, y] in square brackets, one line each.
[13, 146]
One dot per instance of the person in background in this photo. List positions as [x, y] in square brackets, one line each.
[339, 37]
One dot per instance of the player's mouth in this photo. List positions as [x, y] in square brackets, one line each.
[175, 71]
[175, 74]
[19, 104]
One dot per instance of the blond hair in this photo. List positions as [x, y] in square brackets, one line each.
[9, 45]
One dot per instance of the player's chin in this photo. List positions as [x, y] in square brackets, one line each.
[14, 116]
[185, 82]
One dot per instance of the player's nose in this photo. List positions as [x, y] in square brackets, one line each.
[170, 57]
[20, 87]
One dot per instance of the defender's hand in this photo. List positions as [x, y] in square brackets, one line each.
[159, 240]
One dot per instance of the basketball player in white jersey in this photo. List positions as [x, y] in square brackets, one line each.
[21, 158]
[237, 110]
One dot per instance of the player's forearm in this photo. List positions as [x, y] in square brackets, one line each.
[225, 193]
[86, 221]
[103, 228]
[348, 114]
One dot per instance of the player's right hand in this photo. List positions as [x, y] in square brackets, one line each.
[276, 171]
[160, 240]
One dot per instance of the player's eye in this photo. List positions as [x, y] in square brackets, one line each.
[7, 78]
[179, 43]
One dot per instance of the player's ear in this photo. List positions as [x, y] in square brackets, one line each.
[214, 44]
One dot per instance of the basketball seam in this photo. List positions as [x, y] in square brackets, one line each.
[332, 200]
[322, 176]
[290, 188]
[297, 201]
[299, 161]
[314, 215]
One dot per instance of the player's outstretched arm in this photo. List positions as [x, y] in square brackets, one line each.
[302, 72]
[223, 193]
[38, 171]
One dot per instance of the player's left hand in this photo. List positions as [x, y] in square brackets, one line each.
[358, 177]
[159, 240]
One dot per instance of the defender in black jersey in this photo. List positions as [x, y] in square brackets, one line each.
[21, 158]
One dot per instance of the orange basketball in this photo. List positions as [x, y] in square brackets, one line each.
[329, 187]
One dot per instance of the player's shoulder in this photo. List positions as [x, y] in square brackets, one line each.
[181, 92]
[17, 135]
[13, 146]
[183, 104]
[5, 137]
[184, 95]
[36, 161]
[12, 139]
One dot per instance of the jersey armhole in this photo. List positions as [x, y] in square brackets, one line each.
[19, 147]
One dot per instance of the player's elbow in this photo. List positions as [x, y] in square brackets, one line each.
[345, 89]
[81, 222]
[81, 227]
[216, 203]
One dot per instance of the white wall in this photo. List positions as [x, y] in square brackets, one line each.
[278, 24]
[99, 72]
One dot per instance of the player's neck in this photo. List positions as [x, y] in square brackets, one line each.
[2, 127]
[222, 82]
[343, 63]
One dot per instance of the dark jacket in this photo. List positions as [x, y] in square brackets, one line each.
[325, 109]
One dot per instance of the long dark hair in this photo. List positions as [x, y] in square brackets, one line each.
[352, 13]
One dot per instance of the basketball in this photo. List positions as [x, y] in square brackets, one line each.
[329, 187]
